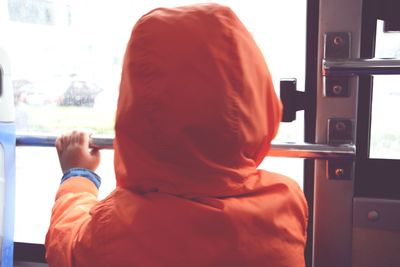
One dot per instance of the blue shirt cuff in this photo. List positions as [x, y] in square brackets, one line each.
[73, 172]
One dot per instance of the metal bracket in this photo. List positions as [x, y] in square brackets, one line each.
[340, 169]
[337, 46]
[336, 86]
[340, 131]
[292, 99]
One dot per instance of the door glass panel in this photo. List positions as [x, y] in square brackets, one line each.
[66, 73]
[385, 129]
[2, 195]
[36, 189]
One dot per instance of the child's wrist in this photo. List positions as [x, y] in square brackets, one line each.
[82, 172]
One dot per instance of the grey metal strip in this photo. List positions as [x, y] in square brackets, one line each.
[376, 213]
[345, 67]
[289, 150]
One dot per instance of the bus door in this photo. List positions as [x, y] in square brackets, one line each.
[357, 202]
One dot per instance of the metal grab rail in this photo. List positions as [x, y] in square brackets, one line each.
[49, 141]
[289, 150]
[312, 151]
[346, 67]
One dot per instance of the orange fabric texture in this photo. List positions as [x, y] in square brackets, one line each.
[196, 115]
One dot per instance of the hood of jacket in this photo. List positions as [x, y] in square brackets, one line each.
[197, 109]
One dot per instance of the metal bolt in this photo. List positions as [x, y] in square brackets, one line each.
[337, 89]
[338, 40]
[373, 216]
[340, 126]
[339, 172]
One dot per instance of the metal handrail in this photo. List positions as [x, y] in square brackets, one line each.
[41, 140]
[312, 151]
[288, 150]
[374, 66]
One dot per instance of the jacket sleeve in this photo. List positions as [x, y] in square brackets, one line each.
[75, 197]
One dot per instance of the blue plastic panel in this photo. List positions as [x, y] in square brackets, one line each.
[7, 142]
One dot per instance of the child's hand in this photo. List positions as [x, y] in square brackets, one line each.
[73, 152]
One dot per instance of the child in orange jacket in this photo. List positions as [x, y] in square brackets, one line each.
[196, 115]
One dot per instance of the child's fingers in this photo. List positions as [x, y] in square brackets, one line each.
[84, 139]
[95, 152]
[90, 139]
[80, 138]
[59, 145]
[65, 140]
[75, 136]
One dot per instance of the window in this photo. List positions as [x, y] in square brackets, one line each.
[385, 132]
[32, 11]
[66, 73]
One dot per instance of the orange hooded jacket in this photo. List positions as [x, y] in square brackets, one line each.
[196, 115]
